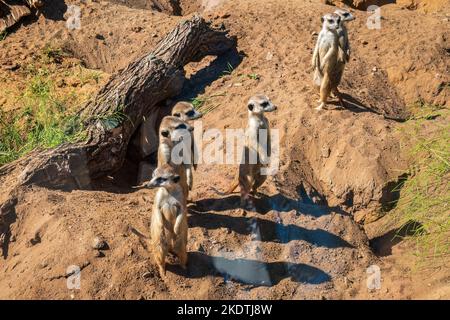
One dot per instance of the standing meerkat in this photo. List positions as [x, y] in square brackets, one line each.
[171, 132]
[186, 112]
[169, 227]
[325, 59]
[250, 177]
[344, 43]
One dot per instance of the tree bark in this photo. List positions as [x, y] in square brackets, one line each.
[116, 112]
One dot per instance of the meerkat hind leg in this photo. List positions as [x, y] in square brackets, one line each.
[338, 95]
[160, 257]
[181, 253]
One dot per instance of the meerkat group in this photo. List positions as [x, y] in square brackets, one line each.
[331, 53]
[169, 227]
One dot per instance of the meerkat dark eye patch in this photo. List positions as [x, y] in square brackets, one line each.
[250, 106]
[176, 179]
[177, 114]
[181, 126]
[330, 21]
[190, 113]
[165, 133]
[265, 104]
[160, 180]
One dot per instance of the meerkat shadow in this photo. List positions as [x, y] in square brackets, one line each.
[354, 105]
[267, 231]
[250, 272]
[265, 204]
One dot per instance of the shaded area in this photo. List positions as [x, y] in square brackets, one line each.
[203, 78]
[250, 272]
[7, 217]
[354, 105]
[382, 245]
[391, 193]
[266, 230]
[265, 204]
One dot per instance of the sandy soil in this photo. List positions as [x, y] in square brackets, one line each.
[304, 241]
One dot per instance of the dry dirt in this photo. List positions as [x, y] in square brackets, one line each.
[335, 166]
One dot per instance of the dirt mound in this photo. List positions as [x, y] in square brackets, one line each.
[173, 7]
[425, 6]
[335, 166]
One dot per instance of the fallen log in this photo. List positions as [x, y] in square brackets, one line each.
[111, 118]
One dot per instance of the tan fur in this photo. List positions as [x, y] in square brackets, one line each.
[327, 66]
[169, 227]
[186, 112]
[169, 126]
[250, 177]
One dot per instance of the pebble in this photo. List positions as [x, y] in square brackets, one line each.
[98, 243]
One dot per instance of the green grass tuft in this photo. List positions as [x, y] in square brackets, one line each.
[425, 195]
[44, 122]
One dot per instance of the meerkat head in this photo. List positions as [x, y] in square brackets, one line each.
[185, 111]
[259, 104]
[331, 21]
[344, 15]
[174, 128]
[164, 176]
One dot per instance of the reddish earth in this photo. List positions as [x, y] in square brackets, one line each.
[307, 239]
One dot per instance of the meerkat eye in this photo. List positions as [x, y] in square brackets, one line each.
[177, 115]
[176, 179]
[190, 113]
[251, 106]
[330, 21]
[165, 133]
[181, 126]
[160, 180]
[265, 104]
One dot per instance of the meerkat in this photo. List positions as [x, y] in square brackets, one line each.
[171, 133]
[169, 227]
[250, 177]
[186, 112]
[344, 43]
[325, 59]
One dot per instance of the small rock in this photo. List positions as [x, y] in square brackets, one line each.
[325, 151]
[375, 69]
[136, 29]
[98, 243]
[148, 275]
[12, 67]
[365, 42]
[98, 254]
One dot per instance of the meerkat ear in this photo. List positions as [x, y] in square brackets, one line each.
[165, 133]
[321, 19]
[176, 179]
[251, 106]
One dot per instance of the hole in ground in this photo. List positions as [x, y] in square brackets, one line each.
[382, 245]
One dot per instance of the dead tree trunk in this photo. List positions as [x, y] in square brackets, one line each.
[118, 109]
